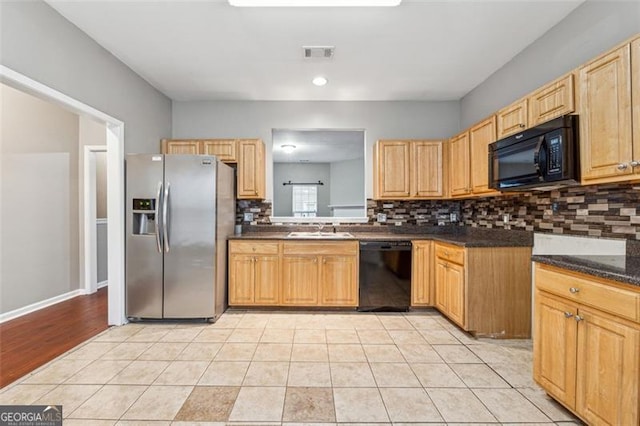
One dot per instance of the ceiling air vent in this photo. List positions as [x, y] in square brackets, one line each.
[324, 52]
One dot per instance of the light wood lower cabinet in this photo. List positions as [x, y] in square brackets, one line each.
[586, 358]
[254, 273]
[485, 290]
[293, 273]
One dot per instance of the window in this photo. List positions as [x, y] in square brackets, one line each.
[304, 200]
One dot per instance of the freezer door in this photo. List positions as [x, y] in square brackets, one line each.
[143, 266]
[189, 244]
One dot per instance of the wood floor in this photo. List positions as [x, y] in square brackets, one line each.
[34, 339]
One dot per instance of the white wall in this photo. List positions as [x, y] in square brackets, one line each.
[39, 198]
[38, 42]
[591, 29]
[380, 120]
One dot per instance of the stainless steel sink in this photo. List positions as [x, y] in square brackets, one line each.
[320, 235]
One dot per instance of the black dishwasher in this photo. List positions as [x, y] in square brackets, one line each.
[385, 276]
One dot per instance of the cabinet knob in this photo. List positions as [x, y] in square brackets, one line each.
[635, 163]
[324, 260]
[568, 314]
[521, 125]
[574, 290]
[622, 166]
[578, 318]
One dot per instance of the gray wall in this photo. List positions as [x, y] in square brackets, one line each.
[591, 29]
[39, 198]
[380, 120]
[308, 172]
[347, 182]
[38, 42]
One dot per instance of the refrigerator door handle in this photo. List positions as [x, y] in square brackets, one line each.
[165, 223]
[157, 216]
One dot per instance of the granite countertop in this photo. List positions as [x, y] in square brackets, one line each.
[625, 269]
[466, 237]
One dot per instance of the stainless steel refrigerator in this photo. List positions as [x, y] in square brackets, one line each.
[180, 211]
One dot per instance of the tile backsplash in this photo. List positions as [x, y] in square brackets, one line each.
[611, 211]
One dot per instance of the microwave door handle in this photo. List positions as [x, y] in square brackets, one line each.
[536, 156]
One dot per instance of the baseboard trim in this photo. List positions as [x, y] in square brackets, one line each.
[39, 305]
[103, 283]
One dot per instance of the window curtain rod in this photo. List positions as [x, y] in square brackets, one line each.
[303, 183]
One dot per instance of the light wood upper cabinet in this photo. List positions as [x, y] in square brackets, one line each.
[459, 165]
[180, 146]
[584, 357]
[422, 273]
[251, 169]
[224, 149]
[635, 102]
[552, 100]
[392, 169]
[605, 117]
[512, 119]
[480, 136]
[409, 169]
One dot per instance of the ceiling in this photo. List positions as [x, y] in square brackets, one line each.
[421, 50]
[318, 146]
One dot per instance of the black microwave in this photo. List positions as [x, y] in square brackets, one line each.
[544, 157]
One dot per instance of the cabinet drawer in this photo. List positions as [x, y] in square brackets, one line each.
[253, 247]
[320, 248]
[588, 290]
[451, 253]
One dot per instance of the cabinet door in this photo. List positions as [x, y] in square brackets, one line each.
[267, 278]
[251, 178]
[455, 293]
[480, 136]
[421, 273]
[605, 118]
[181, 147]
[554, 347]
[427, 169]
[300, 280]
[241, 279]
[552, 100]
[459, 165]
[441, 296]
[338, 281]
[635, 102]
[224, 149]
[512, 119]
[607, 379]
[393, 169]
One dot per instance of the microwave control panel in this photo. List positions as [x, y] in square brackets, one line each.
[555, 154]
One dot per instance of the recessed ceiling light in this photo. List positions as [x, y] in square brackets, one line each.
[314, 3]
[288, 148]
[320, 81]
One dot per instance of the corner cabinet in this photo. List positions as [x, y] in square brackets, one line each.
[485, 290]
[248, 154]
[459, 165]
[409, 169]
[586, 351]
[293, 273]
[610, 152]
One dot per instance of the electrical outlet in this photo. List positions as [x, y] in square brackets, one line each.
[382, 217]
[505, 218]
[453, 217]
[248, 217]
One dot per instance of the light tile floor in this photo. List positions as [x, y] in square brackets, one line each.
[286, 368]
